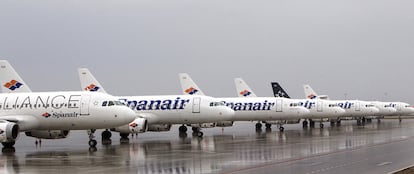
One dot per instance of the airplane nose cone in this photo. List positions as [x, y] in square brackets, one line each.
[374, 110]
[340, 111]
[127, 114]
[303, 111]
[227, 113]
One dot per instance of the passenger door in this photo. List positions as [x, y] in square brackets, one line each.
[196, 104]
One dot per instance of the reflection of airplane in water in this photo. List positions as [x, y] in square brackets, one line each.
[210, 154]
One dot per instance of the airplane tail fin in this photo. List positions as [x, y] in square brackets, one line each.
[243, 90]
[10, 81]
[278, 91]
[309, 92]
[188, 86]
[88, 81]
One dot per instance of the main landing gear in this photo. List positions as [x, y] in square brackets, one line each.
[92, 142]
[8, 147]
[268, 127]
[197, 132]
[106, 137]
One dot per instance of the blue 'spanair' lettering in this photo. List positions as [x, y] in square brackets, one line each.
[307, 104]
[250, 106]
[140, 105]
[346, 105]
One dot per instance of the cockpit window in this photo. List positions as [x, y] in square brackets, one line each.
[112, 103]
[216, 104]
[118, 103]
[294, 104]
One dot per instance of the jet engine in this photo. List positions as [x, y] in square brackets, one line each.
[139, 125]
[48, 134]
[8, 131]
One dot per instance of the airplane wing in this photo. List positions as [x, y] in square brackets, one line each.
[89, 82]
[25, 122]
[188, 86]
[243, 90]
[10, 81]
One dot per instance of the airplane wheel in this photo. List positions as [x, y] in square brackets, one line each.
[8, 144]
[106, 135]
[281, 129]
[312, 123]
[92, 143]
[8, 150]
[268, 125]
[305, 123]
[258, 125]
[124, 135]
[200, 134]
[195, 129]
[182, 128]
[321, 125]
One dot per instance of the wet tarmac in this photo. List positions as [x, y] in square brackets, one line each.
[374, 148]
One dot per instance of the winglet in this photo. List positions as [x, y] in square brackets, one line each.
[188, 86]
[88, 81]
[243, 90]
[278, 91]
[10, 81]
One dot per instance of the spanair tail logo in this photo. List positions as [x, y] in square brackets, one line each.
[92, 88]
[46, 115]
[12, 85]
[312, 96]
[245, 93]
[191, 91]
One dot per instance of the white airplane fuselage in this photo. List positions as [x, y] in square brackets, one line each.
[265, 108]
[356, 108]
[62, 111]
[321, 108]
[178, 109]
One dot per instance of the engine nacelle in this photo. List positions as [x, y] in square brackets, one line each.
[224, 124]
[159, 127]
[204, 125]
[48, 134]
[139, 125]
[8, 131]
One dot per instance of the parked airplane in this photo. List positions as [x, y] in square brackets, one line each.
[319, 109]
[158, 113]
[51, 115]
[353, 108]
[385, 108]
[254, 108]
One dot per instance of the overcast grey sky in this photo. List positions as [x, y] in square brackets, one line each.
[364, 48]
